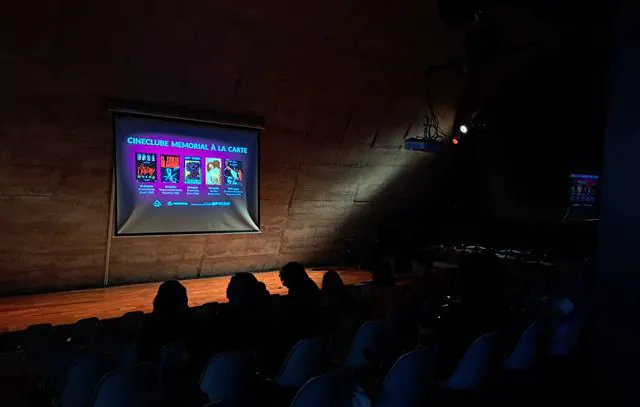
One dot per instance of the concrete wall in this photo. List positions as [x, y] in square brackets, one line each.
[340, 85]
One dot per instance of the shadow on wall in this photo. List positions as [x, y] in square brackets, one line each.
[408, 212]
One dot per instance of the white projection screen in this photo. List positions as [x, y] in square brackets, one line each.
[184, 177]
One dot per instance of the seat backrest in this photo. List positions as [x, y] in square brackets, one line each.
[527, 349]
[472, 370]
[87, 332]
[146, 384]
[227, 375]
[409, 378]
[345, 330]
[366, 342]
[114, 389]
[400, 332]
[57, 366]
[126, 387]
[333, 389]
[38, 339]
[82, 379]
[172, 361]
[308, 358]
[127, 354]
[565, 336]
[131, 325]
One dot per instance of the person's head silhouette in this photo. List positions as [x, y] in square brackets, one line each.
[242, 289]
[331, 282]
[171, 299]
[293, 275]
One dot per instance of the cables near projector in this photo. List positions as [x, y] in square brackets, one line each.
[433, 143]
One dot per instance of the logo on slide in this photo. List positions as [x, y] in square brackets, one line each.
[192, 170]
[170, 167]
[157, 204]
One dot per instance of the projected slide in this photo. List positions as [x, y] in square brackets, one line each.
[176, 177]
[583, 193]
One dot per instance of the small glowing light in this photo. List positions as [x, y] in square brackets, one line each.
[455, 141]
[463, 129]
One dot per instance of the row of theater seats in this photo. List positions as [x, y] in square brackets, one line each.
[90, 367]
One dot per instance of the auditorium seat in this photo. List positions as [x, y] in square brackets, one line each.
[130, 325]
[335, 389]
[211, 307]
[308, 358]
[366, 346]
[171, 363]
[57, 364]
[227, 376]
[40, 344]
[565, 336]
[409, 380]
[87, 333]
[474, 366]
[127, 354]
[39, 338]
[346, 327]
[527, 349]
[82, 379]
[127, 387]
[400, 333]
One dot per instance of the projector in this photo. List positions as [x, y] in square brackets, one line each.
[422, 144]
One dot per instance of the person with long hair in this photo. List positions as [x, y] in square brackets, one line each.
[167, 323]
[337, 297]
[303, 305]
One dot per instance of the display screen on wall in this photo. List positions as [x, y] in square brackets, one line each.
[583, 197]
[184, 177]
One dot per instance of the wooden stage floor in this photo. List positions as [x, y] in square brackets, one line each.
[17, 313]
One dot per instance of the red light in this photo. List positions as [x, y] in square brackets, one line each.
[455, 141]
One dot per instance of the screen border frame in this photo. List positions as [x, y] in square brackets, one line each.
[198, 118]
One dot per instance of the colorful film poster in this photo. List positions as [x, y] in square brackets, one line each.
[233, 174]
[214, 171]
[192, 170]
[170, 168]
[146, 169]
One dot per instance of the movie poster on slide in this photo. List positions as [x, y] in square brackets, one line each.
[146, 167]
[214, 171]
[170, 167]
[233, 174]
[192, 170]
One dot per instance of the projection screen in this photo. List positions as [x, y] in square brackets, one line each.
[184, 177]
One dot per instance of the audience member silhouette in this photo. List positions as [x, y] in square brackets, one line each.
[382, 273]
[341, 311]
[248, 323]
[302, 291]
[384, 296]
[242, 291]
[302, 307]
[241, 323]
[167, 323]
[337, 297]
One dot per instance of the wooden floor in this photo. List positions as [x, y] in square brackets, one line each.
[17, 313]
